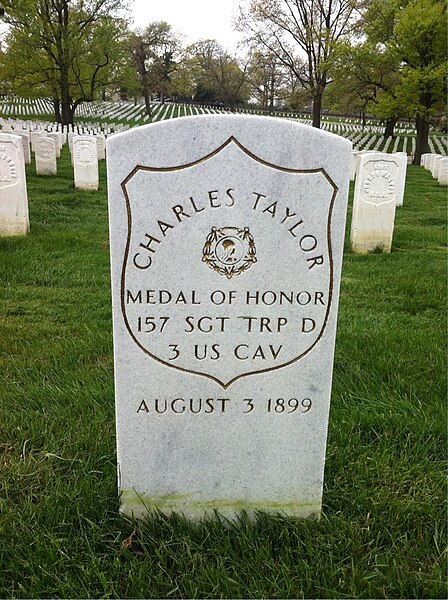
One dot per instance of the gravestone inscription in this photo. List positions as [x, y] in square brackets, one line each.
[226, 248]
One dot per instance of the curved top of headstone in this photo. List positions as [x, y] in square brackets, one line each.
[186, 139]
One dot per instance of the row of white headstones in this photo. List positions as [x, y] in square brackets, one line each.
[379, 188]
[380, 184]
[437, 165]
[363, 137]
[16, 150]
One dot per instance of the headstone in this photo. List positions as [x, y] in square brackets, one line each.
[430, 161]
[26, 146]
[443, 172]
[424, 158]
[45, 155]
[85, 162]
[354, 162]
[401, 178]
[101, 146]
[374, 203]
[57, 142]
[14, 218]
[35, 135]
[226, 246]
[435, 166]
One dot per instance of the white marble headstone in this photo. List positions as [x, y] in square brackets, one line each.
[401, 179]
[26, 146]
[85, 162]
[101, 146]
[435, 166]
[34, 136]
[226, 247]
[442, 177]
[45, 155]
[54, 135]
[14, 219]
[374, 202]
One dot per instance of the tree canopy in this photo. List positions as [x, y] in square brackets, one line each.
[382, 57]
[67, 49]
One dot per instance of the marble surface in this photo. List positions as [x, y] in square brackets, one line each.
[85, 162]
[226, 248]
[14, 219]
[45, 155]
[374, 202]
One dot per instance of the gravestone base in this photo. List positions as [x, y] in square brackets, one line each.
[139, 506]
[13, 226]
[371, 242]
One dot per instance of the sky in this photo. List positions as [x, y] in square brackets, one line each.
[195, 19]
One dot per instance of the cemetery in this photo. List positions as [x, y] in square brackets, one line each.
[223, 344]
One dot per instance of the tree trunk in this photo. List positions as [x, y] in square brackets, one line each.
[57, 110]
[67, 112]
[271, 95]
[421, 142]
[64, 68]
[390, 126]
[147, 100]
[317, 109]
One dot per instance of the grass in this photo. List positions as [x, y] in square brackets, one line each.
[383, 530]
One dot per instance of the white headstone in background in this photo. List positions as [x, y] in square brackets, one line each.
[54, 135]
[435, 166]
[45, 156]
[374, 203]
[424, 158]
[401, 180]
[354, 162]
[35, 135]
[101, 146]
[443, 172]
[430, 161]
[26, 146]
[226, 246]
[14, 218]
[85, 162]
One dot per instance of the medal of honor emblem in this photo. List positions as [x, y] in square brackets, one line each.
[229, 251]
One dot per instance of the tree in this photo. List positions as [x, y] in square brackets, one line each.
[413, 33]
[267, 78]
[421, 38]
[65, 45]
[220, 78]
[365, 76]
[153, 51]
[291, 29]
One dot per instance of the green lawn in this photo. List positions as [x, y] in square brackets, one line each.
[383, 530]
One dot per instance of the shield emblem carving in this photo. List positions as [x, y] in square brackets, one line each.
[379, 183]
[228, 269]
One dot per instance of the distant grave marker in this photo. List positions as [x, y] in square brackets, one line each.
[401, 180]
[374, 202]
[226, 246]
[45, 155]
[85, 162]
[442, 177]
